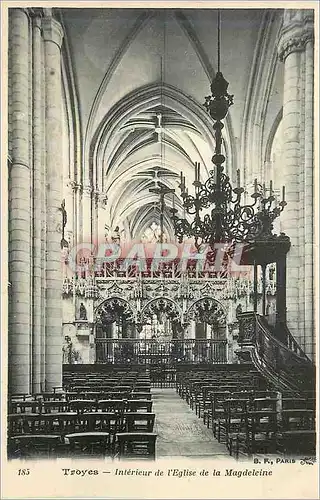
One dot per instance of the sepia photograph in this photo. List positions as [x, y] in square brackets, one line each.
[161, 243]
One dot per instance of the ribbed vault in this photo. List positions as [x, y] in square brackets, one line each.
[146, 140]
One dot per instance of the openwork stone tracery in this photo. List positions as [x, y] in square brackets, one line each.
[207, 310]
[112, 309]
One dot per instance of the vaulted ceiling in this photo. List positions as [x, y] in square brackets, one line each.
[141, 78]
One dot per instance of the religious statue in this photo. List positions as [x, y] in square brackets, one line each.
[66, 350]
[271, 272]
[63, 243]
[238, 310]
[70, 355]
[115, 236]
[82, 312]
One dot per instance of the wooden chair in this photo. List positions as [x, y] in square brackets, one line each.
[33, 446]
[58, 389]
[112, 405]
[136, 446]
[54, 406]
[49, 423]
[118, 395]
[21, 397]
[204, 399]
[60, 423]
[124, 388]
[71, 396]
[109, 422]
[234, 422]
[139, 422]
[23, 423]
[216, 411]
[263, 427]
[83, 405]
[142, 387]
[25, 407]
[297, 431]
[140, 395]
[50, 396]
[89, 444]
[17, 424]
[139, 405]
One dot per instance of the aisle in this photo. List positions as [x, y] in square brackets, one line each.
[180, 432]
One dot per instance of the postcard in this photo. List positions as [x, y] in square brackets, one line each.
[160, 249]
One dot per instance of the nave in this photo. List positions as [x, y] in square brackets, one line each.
[180, 432]
[206, 413]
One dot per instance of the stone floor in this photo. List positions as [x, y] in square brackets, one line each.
[180, 432]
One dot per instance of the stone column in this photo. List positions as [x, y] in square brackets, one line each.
[78, 212]
[281, 298]
[53, 34]
[309, 205]
[44, 223]
[297, 124]
[99, 217]
[291, 125]
[302, 200]
[38, 146]
[95, 215]
[87, 213]
[191, 330]
[19, 186]
[68, 193]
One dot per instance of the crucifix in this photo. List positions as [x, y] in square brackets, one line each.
[62, 208]
[158, 129]
[161, 191]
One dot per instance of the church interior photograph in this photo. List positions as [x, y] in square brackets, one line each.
[161, 233]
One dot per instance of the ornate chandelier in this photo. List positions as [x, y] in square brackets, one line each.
[218, 215]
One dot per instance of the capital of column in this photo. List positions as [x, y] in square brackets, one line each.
[296, 32]
[87, 189]
[101, 198]
[36, 14]
[74, 186]
[52, 31]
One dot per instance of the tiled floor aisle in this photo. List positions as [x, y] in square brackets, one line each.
[180, 432]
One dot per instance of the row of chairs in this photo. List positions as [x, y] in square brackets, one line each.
[126, 445]
[90, 414]
[64, 423]
[102, 388]
[248, 414]
[111, 379]
[260, 425]
[79, 405]
[190, 385]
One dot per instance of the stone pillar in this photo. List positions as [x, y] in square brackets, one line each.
[291, 126]
[68, 194]
[87, 213]
[92, 347]
[53, 35]
[38, 188]
[297, 31]
[192, 330]
[95, 215]
[19, 187]
[44, 224]
[255, 287]
[301, 202]
[281, 298]
[309, 205]
[77, 212]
